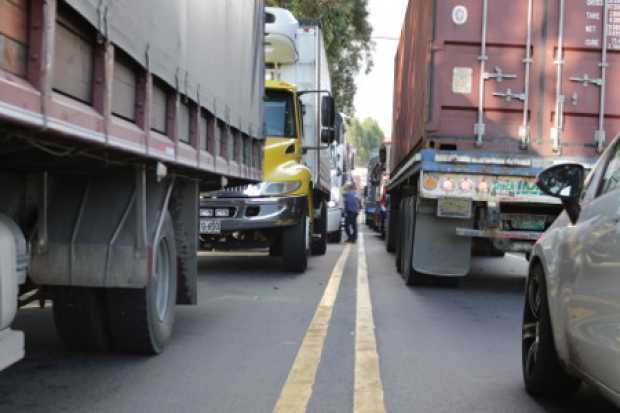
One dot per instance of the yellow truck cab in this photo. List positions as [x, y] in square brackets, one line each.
[283, 212]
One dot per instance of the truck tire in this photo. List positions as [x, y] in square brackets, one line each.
[275, 249]
[543, 374]
[319, 245]
[335, 237]
[295, 247]
[390, 230]
[141, 320]
[485, 248]
[410, 275]
[80, 318]
[398, 237]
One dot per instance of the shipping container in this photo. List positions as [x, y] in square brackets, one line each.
[548, 70]
[113, 115]
[487, 94]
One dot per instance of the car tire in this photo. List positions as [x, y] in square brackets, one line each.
[80, 318]
[295, 247]
[141, 320]
[543, 374]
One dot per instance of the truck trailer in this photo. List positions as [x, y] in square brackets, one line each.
[287, 211]
[487, 94]
[113, 116]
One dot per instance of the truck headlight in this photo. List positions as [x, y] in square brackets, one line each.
[279, 188]
[206, 212]
[271, 188]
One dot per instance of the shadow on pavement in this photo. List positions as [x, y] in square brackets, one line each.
[49, 373]
[587, 400]
[240, 266]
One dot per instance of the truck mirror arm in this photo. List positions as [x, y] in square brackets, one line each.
[305, 149]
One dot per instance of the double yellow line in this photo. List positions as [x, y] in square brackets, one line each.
[368, 389]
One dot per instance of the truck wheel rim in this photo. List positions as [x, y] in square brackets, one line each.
[162, 278]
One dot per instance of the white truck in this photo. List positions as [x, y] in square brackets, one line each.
[309, 73]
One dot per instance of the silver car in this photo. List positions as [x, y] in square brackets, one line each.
[571, 323]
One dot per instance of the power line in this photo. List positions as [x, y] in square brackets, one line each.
[385, 38]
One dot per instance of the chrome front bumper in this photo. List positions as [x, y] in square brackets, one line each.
[257, 213]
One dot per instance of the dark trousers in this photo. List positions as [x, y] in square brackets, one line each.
[350, 225]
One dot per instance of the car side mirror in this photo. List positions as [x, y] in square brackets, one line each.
[328, 112]
[564, 181]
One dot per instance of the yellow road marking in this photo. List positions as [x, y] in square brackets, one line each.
[233, 254]
[297, 390]
[368, 389]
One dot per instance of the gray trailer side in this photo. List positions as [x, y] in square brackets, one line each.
[113, 115]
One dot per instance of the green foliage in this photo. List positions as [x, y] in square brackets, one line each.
[348, 43]
[366, 137]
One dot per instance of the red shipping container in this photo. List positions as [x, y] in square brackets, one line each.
[547, 87]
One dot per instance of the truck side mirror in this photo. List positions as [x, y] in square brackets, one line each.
[328, 112]
[328, 135]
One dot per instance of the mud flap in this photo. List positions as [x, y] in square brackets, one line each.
[100, 230]
[437, 250]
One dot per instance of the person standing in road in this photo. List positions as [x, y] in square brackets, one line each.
[351, 209]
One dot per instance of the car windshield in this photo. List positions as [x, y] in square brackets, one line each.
[279, 115]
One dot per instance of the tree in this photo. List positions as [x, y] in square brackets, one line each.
[348, 43]
[366, 137]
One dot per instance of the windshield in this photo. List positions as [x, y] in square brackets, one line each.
[279, 115]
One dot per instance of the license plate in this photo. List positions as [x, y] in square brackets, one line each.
[210, 226]
[454, 208]
[527, 223]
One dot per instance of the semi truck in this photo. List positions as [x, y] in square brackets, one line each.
[487, 94]
[113, 115]
[287, 211]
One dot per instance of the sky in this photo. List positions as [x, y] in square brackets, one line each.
[375, 91]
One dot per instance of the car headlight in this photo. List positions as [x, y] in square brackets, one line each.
[206, 212]
[272, 188]
[331, 204]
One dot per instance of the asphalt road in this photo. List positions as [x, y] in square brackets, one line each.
[439, 349]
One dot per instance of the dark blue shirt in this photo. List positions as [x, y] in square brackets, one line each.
[351, 203]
